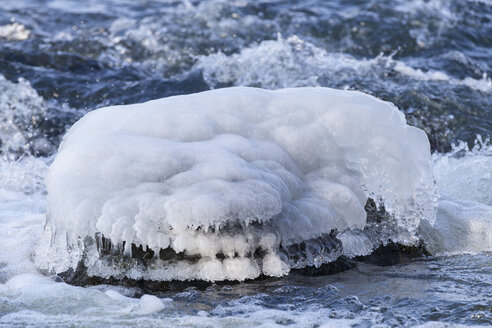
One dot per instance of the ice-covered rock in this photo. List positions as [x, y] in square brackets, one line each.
[232, 183]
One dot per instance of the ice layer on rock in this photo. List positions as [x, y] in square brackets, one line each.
[229, 180]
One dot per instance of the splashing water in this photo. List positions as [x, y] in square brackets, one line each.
[61, 59]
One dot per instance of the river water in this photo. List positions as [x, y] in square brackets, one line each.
[60, 59]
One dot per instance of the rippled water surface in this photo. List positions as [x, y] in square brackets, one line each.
[431, 292]
[60, 59]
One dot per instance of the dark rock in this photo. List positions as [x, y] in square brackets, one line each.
[340, 265]
[393, 253]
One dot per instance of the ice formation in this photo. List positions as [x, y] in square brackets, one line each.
[232, 183]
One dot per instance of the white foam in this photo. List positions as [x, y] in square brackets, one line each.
[464, 216]
[484, 84]
[171, 48]
[22, 198]
[459, 227]
[22, 208]
[465, 174]
[34, 300]
[39, 298]
[14, 32]
[280, 63]
[232, 171]
[293, 62]
[20, 107]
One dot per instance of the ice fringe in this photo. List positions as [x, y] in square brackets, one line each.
[233, 183]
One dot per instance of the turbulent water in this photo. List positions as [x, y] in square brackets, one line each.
[433, 59]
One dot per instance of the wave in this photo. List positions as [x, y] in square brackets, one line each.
[233, 183]
[466, 173]
[29, 124]
[484, 84]
[293, 62]
[280, 63]
[21, 109]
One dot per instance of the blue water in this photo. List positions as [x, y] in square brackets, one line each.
[61, 59]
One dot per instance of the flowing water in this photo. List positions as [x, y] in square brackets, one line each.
[60, 59]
